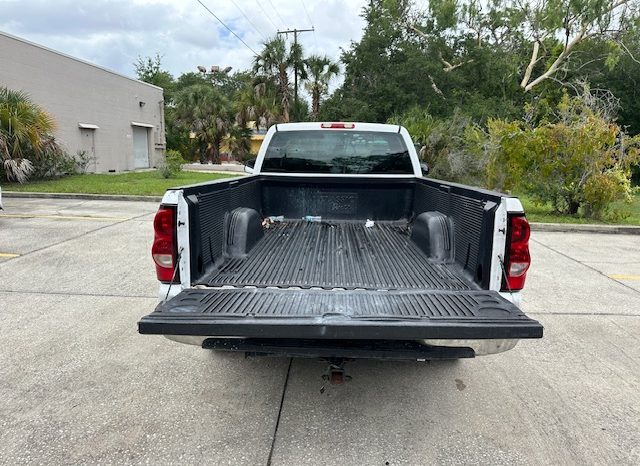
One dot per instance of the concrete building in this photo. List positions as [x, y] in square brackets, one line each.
[117, 119]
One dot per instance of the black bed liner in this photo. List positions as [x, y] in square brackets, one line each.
[338, 255]
[324, 314]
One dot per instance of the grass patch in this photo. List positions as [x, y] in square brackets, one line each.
[148, 183]
[543, 213]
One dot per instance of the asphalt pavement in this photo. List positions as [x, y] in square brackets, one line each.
[79, 385]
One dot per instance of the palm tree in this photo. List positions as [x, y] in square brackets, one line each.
[204, 111]
[25, 133]
[321, 70]
[257, 101]
[274, 63]
[296, 55]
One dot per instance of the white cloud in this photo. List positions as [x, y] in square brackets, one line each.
[112, 33]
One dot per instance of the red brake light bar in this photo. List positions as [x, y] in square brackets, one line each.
[338, 125]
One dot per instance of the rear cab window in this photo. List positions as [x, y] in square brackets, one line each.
[337, 151]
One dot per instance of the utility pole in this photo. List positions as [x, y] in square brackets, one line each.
[295, 64]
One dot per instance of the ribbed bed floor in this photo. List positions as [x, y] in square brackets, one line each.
[337, 255]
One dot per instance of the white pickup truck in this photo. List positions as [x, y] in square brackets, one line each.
[336, 246]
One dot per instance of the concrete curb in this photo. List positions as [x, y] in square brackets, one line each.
[83, 197]
[586, 228]
[214, 168]
[545, 227]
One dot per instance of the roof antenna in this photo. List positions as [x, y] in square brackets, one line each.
[399, 128]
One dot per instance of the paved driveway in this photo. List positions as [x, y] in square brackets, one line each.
[79, 385]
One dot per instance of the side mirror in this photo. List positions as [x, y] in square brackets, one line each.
[249, 165]
[425, 168]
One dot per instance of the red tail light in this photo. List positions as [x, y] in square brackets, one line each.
[338, 125]
[518, 259]
[164, 248]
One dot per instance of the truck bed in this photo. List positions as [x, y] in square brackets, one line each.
[345, 255]
[338, 280]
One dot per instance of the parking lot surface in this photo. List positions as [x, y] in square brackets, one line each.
[79, 385]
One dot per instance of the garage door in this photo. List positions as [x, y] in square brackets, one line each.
[140, 147]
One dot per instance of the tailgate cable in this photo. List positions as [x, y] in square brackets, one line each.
[175, 270]
[504, 275]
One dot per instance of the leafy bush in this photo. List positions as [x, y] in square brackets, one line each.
[453, 147]
[582, 161]
[172, 164]
[455, 151]
[82, 160]
[418, 122]
[51, 161]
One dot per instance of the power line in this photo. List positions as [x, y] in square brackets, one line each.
[248, 20]
[228, 28]
[267, 15]
[310, 21]
[307, 13]
[295, 64]
[277, 13]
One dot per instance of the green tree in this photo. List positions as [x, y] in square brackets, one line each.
[274, 63]
[239, 141]
[547, 32]
[320, 71]
[385, 72]
[149, 70]
[25, 135]
[206, 113]
[474, 57]
[190, 78]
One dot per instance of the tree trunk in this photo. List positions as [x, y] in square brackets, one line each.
[215, 150]
[285, 109]
[202, 151]
[284, 90]
[315, 103]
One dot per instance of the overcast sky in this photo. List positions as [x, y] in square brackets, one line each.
[113, 33]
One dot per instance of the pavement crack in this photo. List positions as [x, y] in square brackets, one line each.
[275, 430]
[586, 265]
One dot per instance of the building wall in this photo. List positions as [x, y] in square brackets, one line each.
[75, 92]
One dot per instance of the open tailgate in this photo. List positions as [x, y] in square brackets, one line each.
[329, 314]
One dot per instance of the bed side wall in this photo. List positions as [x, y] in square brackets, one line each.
[208, 207]
[472, 211]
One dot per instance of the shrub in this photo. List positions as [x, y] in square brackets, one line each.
[582, 161]
[172, 164]
[82, 160]
[418, 122]
[51, 161]
[453, 148]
